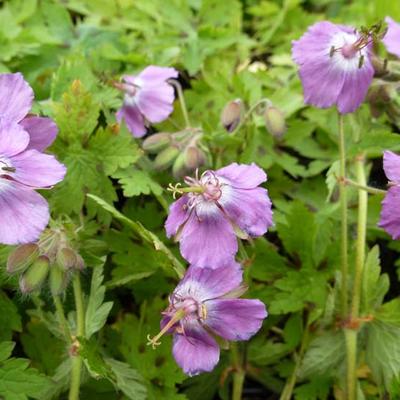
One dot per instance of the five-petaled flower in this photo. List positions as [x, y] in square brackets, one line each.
[334, 66]
[23, 165]
[148, 98]
[392, 38]
[216, 208]
[205, 303]
[390, 216]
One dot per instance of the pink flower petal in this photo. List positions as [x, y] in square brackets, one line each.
[392, 37]
[13, 139]
[133, 119]
[390, 216]
[42, 132]
[391, 166]
[242, 175]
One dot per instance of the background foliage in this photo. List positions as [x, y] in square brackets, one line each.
[70, 51]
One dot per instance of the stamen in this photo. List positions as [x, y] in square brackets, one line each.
[361, 62]
[154, 342]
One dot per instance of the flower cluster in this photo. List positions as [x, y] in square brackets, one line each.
[24, 166]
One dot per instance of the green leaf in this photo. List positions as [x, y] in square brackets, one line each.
[135, 182]
[324, 355]
[128, 380]
[383, 351]
[332, 178]
[18, 381]
[116, 150]
[375, 285]
[96, 311]
[6, 349]
[10, 320]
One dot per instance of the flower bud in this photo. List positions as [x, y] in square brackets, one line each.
[194, 157]
[22, 257]
[166, 157]
[231, 115]
[156, 142]
[66, 258]
[178, 169]
[275, 121]
[80, 263]
[58, 279]
[35, 275]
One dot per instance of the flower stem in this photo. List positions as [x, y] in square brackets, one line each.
[238, 375]
[366, 188]
[61, 318]
[343, 213]
[179, 90]
[80, 332]
[290, 384]
[351, 334]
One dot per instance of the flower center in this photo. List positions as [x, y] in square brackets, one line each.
[349, 50]
[180, 309]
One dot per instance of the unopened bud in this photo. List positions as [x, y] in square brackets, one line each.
[35, 275]
[58, 279]
[231, 115]
[80, 263]
[178, 169]
[275, 121]
[22, 257]
[66, 258]
[156, 142]
[166, 157]
[194, 157]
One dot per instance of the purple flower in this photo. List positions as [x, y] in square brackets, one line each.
[148, 98]
[204, 304]
[23, 167]
[217, 207]
[392, 38]
[335, 66]
[390, 216]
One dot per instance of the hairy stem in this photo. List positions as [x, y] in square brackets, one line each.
[366, 188]
[179, 90]
[291, 382]
[351, 334]
[80, 332]
[61, 318]
[239, 374]
[248, 114]
[343, 213]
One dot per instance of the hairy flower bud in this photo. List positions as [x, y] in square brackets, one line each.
[22, 257]
[58, 279]
[231, 115]
[179, 169]
[156, 142]
[66, 258]
[194, 157]
[35, 275]
[274, 121]
[166, 157]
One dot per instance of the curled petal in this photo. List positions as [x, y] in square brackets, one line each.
[391, 166]
[133, 119]
[42, 132]
[390, 216]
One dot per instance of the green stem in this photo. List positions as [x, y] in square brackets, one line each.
[249, 112]
[179, 90]
[343, 213]
[290, 384]
[61, 318]
[238, 375]
[351, 334]
[80, 332]
[367, 189]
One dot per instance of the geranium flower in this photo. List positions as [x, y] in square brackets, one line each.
[390, 216]
[215, 209]
[335, 66]
[392, 38]
[204, 304]
[148, 98]
[23, 167]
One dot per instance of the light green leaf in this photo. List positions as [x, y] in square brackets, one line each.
[96, 311]
[6, 349]
[135, 182]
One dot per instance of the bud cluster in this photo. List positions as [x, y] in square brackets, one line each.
[182, 150]
[52, 258]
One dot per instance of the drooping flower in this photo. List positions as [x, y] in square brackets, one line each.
[206, 304]
[148, 98]
[390, 216]
[216, 208]
[392, 38]
[23, 167]
[334, 66]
